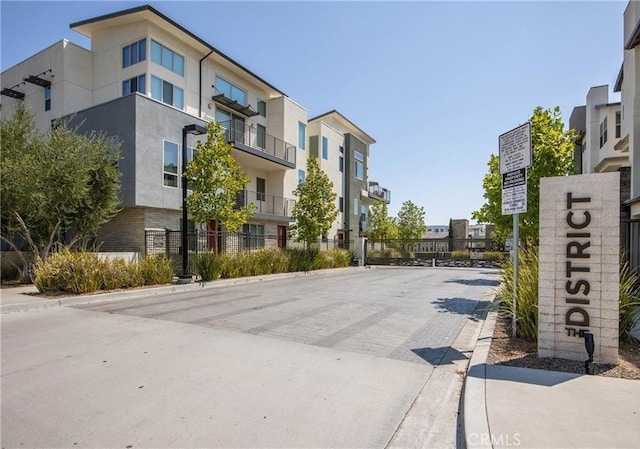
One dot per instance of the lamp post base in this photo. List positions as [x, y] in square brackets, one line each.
[188, 279]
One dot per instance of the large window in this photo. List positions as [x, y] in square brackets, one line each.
[302, 135]
[253, 236]
[167, 93]
[603, 132]
[359, 165]
[134, 53]
[135, 84]
[618, 124]
[170, 167]
[223, 117]
[47, 98]
[325, 148]
[167, 58]
[231, 91]
[301, 176]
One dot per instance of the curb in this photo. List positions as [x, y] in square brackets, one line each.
[475, 421]
[43, 303]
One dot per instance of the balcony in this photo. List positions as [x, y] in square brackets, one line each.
[267, 206]
[378, 192]
[250, 140]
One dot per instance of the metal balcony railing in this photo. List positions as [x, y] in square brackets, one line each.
[378, 192]
[266, 204]
[241, 133]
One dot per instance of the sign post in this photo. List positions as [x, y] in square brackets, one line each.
[515, 158]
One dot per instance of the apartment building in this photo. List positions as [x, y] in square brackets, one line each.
[598, 123]
[628, 83]
[342, 148]
[152, 84]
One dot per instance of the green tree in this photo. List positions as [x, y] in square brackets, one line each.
[216, 179]
[552, 155]
[57, 187]
[315, 209]
[411, 224]
[381, 225]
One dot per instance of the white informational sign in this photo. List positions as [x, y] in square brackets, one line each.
[515, 149]
[514, 192]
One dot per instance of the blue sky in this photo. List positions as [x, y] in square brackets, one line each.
[435, 83]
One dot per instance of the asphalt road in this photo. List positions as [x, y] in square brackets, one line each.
[362, 358]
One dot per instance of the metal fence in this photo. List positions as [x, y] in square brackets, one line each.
[630, 243]
[436, 252]
[169, 243]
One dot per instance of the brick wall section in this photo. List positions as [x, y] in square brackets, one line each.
[162, 219]
[124, 232]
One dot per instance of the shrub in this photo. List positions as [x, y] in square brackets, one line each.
[68, 271]
[385, 253]
[117, 273]
[495, 255]
[335, 258]
[629, 301]
[302, 259]
[459, 255]
[9, 273]
[527, 301]
[208, 266]
[156, 270]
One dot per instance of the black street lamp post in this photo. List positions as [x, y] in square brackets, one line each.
[196, 130]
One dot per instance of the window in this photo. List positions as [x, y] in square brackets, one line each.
[47, 98]
[135, 84]
[340, 163]
[261, 137]
[134, 53]
[301, 176]
[261, 189]
[341, 149]
[231, 91]
[302, 135]
[341, 204]
[359, 166]
[603, 132]
[223, 117]
[262, 108]
[167, 93]
[167, 58]
[618, 124]
[253, 236]
[170, 164]
[356, 207]
[325, 148]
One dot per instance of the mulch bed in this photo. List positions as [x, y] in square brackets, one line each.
[524, 353]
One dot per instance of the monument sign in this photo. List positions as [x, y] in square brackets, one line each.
[579, 264]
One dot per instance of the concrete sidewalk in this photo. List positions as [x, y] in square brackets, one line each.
[507, 406]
